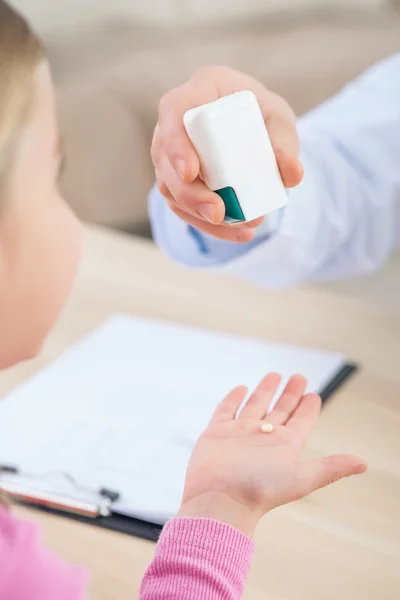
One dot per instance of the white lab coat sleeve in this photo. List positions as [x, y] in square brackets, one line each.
[343, 219]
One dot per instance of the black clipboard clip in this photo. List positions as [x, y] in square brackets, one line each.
[101, 506]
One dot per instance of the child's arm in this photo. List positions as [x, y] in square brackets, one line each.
[194, 557]
[238, 473]
[344, 217]
[198, 558]
[29, 571]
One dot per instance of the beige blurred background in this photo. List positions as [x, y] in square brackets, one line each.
[112, 60]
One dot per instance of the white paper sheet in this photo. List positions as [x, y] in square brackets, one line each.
[123, 408]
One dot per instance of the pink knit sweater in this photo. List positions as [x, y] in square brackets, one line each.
[194, 559]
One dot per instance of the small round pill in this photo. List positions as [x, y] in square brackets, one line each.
[267, 427]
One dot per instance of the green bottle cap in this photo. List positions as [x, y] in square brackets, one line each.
[233, 211]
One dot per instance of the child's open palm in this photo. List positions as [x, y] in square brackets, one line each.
[237, 472]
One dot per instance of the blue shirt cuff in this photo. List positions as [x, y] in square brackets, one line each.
[224, 250]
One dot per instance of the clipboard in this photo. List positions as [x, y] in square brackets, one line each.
[115, 522]
[144, 529]
[341, 377]
[99, 397]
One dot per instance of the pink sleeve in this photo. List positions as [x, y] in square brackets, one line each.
[198, 559]
[27, 570]
[195, 558]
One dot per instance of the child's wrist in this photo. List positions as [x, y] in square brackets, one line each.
[220, 507]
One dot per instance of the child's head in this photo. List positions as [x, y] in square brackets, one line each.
[40, 239]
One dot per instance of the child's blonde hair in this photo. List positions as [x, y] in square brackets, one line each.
[20, 53]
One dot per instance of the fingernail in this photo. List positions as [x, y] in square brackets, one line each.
[361, 468]
[207, 212]
[180, 167]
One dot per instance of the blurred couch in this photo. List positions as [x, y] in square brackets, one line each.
[53, 18]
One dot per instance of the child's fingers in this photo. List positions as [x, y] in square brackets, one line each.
[259, 401]
[315, 474]
[227, 409]
[304, 418]
[288, 400]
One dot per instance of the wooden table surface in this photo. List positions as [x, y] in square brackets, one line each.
[341, 543]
